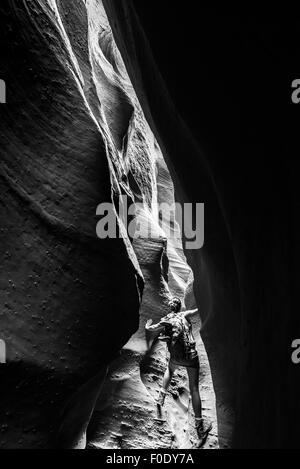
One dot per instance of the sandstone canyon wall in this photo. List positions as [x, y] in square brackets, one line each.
[74, 135]
[89, 120]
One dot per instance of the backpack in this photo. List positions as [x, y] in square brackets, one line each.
[178, 337]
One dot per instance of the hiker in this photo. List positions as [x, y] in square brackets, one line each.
[176, 330]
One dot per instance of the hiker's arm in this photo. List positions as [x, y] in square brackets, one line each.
[152, 331]
[154, 327]
[190, 313]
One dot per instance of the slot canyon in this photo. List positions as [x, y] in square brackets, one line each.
[94, 113]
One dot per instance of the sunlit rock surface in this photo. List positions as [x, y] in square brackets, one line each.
[74, 135]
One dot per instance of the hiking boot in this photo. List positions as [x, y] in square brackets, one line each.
[161, 397]
[203, 428]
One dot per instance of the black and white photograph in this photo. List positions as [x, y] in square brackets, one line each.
[149, 228]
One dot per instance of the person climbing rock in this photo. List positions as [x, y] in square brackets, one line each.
[176, 330]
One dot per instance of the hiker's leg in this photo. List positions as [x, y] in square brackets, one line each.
[203, 426]
[168, 376]
[165, 384]
[193, 374]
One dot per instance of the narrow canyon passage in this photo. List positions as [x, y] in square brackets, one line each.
[128, 105]
[126, 415]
